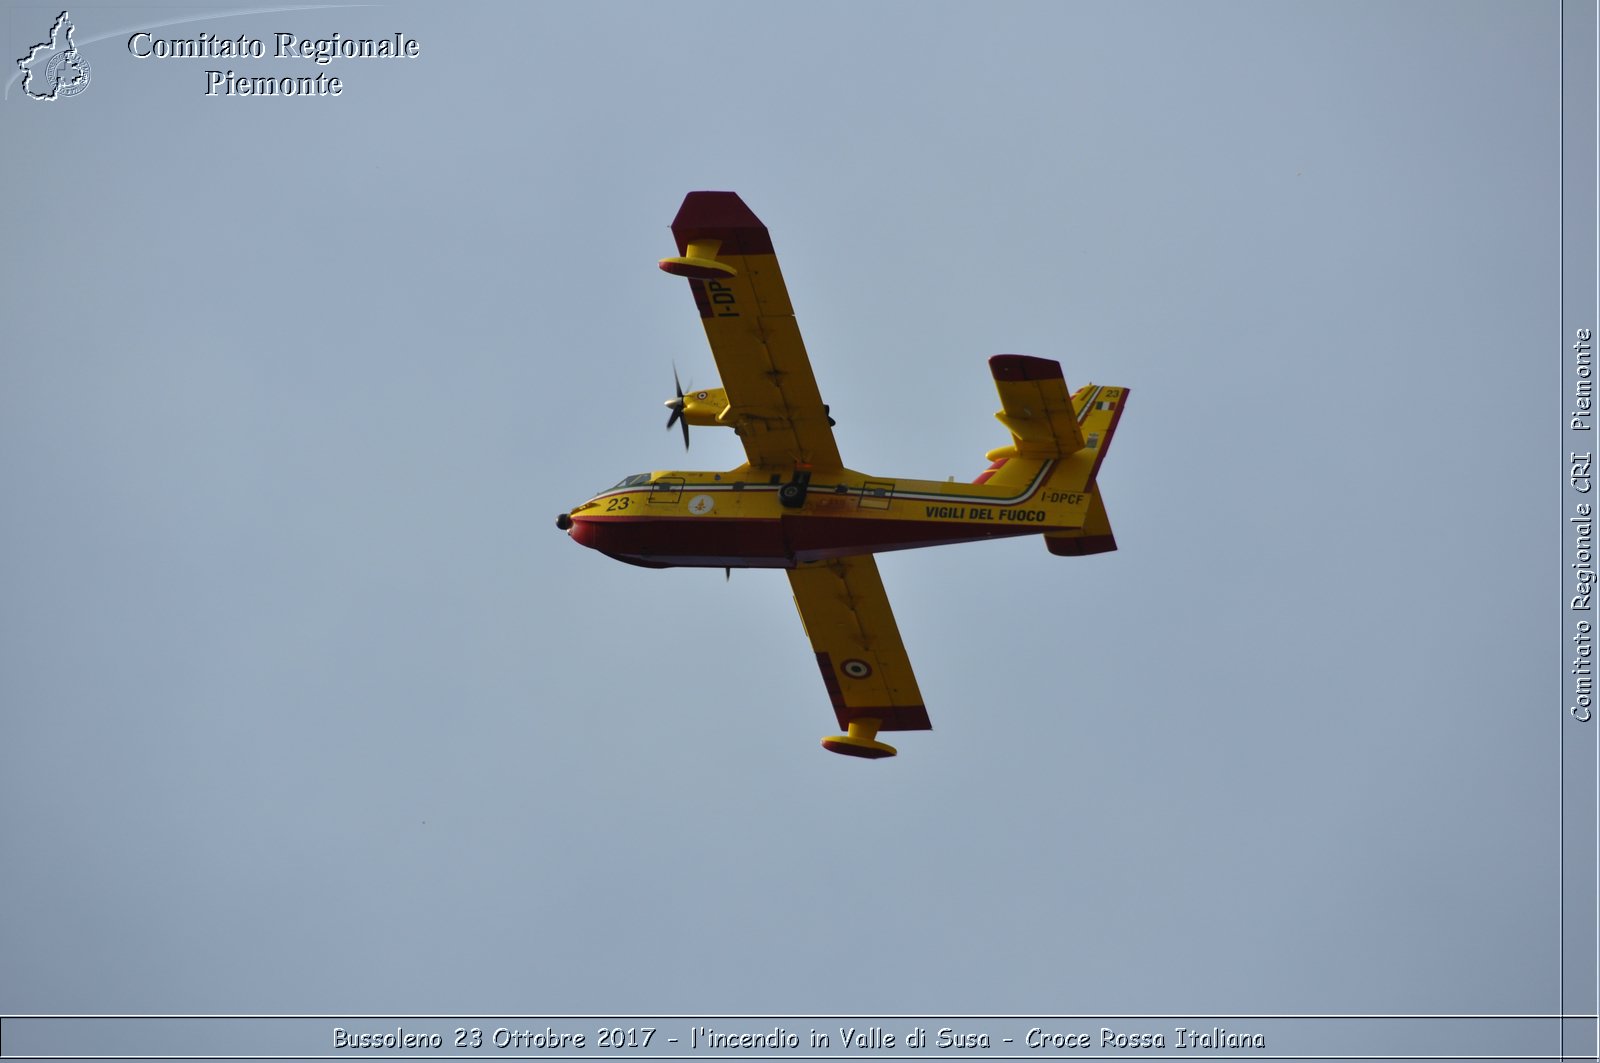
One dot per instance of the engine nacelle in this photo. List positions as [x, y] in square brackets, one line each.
[703, 406]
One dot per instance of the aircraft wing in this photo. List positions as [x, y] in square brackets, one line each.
[864, 664]
[773, 402]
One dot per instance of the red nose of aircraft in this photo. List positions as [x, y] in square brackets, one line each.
[623, 542]
[583, 532]
[593, 534]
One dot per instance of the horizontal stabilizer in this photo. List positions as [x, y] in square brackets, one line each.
[1035, 406]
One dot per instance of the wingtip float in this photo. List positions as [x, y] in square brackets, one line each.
[795, 506]
[698, 262]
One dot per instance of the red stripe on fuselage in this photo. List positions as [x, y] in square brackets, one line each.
[735, 543]
[748, 542]
[994, 467]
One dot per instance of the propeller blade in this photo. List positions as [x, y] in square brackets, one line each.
[676, 406]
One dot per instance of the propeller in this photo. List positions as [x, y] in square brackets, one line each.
[676, 406]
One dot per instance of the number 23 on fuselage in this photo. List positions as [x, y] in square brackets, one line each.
[793, 504]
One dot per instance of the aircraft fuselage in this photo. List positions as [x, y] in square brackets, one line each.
[740, 519]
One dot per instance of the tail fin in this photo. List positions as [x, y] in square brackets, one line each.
[1099, 409]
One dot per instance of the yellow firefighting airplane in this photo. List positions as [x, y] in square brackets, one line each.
[793, 505]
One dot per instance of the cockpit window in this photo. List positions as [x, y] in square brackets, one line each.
[632, 481]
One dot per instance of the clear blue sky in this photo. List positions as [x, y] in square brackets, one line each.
[309, 707]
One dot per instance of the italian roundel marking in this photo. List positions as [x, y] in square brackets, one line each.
[856, 668]
[700, 505]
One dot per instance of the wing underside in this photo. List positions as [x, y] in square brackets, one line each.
[773, 401]
[864, 665]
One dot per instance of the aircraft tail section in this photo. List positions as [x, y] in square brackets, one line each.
[1049, 425]
[1058, 441]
